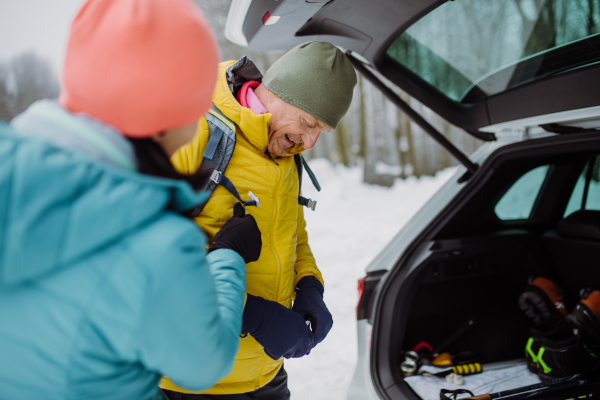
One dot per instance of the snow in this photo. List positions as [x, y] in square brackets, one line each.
[353, 221]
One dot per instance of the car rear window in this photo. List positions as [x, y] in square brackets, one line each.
[518, 201]
[586, 195]
[472, 49]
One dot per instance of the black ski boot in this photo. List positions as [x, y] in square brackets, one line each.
[555, 349]
[542, 302]
[562, 353]
[586, 318]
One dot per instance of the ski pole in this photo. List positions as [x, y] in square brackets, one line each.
[533, 390]
[452, 338]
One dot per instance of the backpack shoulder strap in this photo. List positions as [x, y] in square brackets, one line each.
[218, 125]
[216, 157]
[301, 164]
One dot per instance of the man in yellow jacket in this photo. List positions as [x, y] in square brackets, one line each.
[305, 92]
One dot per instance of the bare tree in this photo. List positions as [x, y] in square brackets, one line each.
[33, 80]
[343, 143]
[6, 97]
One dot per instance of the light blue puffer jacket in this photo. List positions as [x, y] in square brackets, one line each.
[103, 286]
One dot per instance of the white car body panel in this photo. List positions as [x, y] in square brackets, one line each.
[235, 21]
[361, 386]
[585, 118]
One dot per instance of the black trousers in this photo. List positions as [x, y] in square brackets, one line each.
[275, 390]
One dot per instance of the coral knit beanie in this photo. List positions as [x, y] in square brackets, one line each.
[142, 66]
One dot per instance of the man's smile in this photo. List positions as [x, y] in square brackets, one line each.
[291, 142]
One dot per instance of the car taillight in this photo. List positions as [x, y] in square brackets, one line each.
[269, 19]
[361, 290]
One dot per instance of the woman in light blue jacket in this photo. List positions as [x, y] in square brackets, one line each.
[104, 285]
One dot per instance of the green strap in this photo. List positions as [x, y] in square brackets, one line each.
[528, 350]
[589, 351]
[94, 137]
[547, 369]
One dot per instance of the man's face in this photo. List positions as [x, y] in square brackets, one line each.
[290, 125]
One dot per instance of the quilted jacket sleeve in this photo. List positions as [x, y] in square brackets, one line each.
[305, 261]
[190, 329]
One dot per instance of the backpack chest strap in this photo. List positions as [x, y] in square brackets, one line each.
[301, 164]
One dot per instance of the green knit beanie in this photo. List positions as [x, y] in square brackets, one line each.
[315, 77]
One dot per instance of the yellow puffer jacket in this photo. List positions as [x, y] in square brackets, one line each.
[285, 257]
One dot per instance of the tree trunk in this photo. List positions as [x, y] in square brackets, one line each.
[342, 143]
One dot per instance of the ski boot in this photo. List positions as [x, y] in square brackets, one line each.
[554, 349]
[542, 302]
[562, 353]
[586, 318]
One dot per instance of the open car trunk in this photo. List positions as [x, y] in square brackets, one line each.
[471, 264]
[488, 67]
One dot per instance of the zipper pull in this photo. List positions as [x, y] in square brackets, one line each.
[270, 158]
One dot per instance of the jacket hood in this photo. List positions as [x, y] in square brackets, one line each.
[254, 127]
[57, 206]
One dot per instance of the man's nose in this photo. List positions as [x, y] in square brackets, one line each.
[310, 139]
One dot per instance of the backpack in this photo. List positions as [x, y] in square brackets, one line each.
[216, 157]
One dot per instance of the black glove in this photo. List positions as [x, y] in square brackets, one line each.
[281, 331]
[240, 234]
[309, 303]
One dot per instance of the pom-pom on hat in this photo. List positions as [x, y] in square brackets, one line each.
[142, 66]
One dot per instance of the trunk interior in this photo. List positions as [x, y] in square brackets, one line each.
[478, 279]
[472, 264]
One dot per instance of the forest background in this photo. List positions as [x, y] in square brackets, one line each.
[374, 135]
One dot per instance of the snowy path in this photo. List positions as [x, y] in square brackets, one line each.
[352, 223]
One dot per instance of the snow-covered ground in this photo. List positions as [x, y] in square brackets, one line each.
[352, 223]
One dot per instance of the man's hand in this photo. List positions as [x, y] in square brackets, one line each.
[281, 331]
[241, 234]
[309, 303]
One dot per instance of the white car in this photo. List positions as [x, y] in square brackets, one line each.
[522, 75]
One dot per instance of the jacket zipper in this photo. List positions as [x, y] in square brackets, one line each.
[270, 158]
[278, 276]
[277, 258]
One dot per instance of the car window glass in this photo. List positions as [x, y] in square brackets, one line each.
[576, 196]
[518, 201]
[590, 199]
[472, 49]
